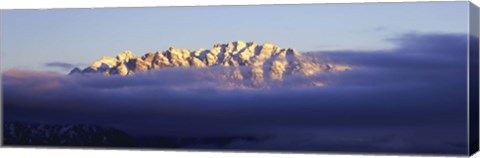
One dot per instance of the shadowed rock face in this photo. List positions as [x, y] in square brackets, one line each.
[257, 62]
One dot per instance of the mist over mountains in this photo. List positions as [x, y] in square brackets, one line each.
[410, 99]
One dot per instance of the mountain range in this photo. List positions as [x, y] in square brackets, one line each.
[247, 60]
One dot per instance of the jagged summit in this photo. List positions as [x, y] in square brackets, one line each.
[258, 62]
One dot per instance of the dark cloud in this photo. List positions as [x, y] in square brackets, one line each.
[408, 99]
[380, 28]
[61, 65]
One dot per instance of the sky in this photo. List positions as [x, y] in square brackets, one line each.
[32, 39]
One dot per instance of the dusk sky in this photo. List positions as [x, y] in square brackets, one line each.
[32, 38]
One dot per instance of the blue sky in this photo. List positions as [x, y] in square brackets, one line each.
[32, 38]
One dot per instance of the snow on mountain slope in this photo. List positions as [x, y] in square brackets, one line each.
[246, 61]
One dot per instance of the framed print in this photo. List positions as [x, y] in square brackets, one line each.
[380, 78]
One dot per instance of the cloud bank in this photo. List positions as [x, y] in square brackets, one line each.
[408, 99]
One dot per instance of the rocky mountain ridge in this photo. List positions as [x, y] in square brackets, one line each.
[258, 62]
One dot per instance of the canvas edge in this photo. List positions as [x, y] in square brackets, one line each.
[473, 80]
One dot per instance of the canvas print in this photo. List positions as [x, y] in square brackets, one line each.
[390, 78]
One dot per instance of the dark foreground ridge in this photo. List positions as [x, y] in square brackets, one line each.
[64, 135]
[81, 135]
